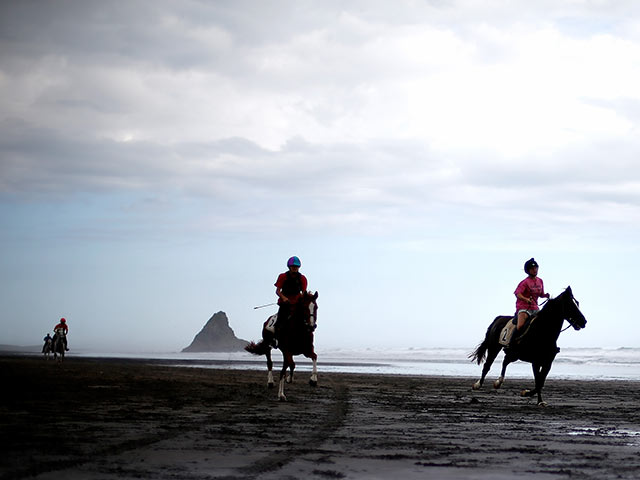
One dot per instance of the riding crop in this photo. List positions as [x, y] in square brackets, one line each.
[266, 305]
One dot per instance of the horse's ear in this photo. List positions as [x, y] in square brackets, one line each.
[315, 297]
[568, 289]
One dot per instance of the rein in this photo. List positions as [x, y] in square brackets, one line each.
[563, 308]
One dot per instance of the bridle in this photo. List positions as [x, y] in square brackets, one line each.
[569, 320]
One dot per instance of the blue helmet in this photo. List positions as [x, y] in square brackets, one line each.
[293, 262]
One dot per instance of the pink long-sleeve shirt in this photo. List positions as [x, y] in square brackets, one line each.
[529, 287]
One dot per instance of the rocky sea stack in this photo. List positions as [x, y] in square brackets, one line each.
[216, 336]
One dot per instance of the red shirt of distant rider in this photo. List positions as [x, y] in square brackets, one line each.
[62, 325]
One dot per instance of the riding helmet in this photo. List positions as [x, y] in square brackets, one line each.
[529, 264]
[293, 262]
[62, 320]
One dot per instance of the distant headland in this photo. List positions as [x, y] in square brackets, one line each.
[216, 336]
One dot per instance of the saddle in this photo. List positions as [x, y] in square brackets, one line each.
[270, 324]
[510, 328]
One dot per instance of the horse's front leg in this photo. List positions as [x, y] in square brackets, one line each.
[270, 382]
[281, 395]
[542, 377]
[313, 381]
[540, 372]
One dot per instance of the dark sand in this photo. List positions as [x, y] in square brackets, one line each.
[119, 419]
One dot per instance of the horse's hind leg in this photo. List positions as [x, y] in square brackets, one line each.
[270, 382]
[287, 362]
[491, 356]
[507, 360]
[291, 368]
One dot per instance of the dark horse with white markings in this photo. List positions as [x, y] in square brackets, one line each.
[536, 344]
[58, 346]
[295, 337]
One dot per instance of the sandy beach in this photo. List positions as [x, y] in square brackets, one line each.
[124, 419]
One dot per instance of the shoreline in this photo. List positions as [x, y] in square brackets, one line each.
[114, 418]
[429, 362]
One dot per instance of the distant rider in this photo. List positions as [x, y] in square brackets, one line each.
[47, 341]
[61, 329]
[527, 293]
[290, 286]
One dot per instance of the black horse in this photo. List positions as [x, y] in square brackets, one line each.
[47, 348]
[536, 344]
[295, 337]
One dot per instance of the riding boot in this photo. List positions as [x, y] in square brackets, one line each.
[514, 336]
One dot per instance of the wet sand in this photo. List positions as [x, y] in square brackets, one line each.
[124, 419]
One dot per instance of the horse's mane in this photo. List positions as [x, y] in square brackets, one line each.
[553, 302]
[549, 308]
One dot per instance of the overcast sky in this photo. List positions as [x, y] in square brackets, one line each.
[161, 160]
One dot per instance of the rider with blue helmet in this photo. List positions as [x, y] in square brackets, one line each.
[290, 286]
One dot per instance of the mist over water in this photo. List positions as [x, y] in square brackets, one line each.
[571, 363]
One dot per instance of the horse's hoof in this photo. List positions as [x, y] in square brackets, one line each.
[270, 385]
[543, 404]
[282, 398]
[525, 393]
[313, 383]
[477, 385]
[498, 383]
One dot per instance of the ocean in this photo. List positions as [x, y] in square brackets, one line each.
[571, 363]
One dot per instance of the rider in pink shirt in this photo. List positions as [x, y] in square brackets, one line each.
[528, 292]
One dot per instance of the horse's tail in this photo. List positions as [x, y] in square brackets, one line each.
[260, 348]
[479, 353]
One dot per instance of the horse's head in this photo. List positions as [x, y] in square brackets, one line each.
[310, 308]
[570, 309]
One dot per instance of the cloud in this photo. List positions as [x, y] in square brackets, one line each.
[352, 115]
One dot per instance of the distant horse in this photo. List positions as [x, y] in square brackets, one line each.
[58, 346]
[47, 349]
[295, 337]
[536, 344]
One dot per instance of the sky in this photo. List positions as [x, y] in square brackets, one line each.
[161, 160]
